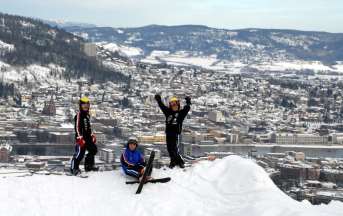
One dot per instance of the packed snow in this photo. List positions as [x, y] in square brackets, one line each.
[231, 186]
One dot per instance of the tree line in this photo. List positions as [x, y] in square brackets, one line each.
[37, 43]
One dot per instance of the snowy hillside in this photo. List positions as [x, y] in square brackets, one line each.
[124, 50]
[5, 47]
[232, 186]
[185, 58]
[63, 23]
[29, 44]
[250, 45]
[37, 75]
[218, 49]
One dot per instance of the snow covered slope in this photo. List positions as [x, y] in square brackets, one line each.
[232, 186]
[185, 58]
[38, 75]
[252, 45]
[5, 47]
[124, 50]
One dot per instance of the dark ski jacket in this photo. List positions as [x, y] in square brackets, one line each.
[174, 119]
[132, 159]
[82, 126]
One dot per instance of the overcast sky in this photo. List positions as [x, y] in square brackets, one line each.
[318, 15]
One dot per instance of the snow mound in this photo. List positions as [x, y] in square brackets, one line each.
[227, 176]
[232, 186]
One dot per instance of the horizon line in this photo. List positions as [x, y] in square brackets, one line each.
[57, 21]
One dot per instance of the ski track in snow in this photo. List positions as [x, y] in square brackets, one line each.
[232, 186]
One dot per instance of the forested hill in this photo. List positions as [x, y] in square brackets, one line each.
[34, 42]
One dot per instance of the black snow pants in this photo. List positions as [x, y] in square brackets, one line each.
[173, 140]
[80, 153]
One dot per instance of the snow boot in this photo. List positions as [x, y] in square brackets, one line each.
[75, 172]
[172, 164]
[91, 168]
[181, 165]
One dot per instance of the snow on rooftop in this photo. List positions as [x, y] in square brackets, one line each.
[232, 186]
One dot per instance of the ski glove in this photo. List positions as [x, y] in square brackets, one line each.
[158, 97]
[188, 100]
[94, 138]
[80, 141]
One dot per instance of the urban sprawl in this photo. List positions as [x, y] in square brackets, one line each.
[291, 124]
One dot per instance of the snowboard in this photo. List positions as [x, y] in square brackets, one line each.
[147, 170]
[157, 180]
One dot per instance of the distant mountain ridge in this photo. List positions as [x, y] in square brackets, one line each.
[64, 24]
[250, 45]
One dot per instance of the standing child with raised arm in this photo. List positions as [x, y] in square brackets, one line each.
[174, 119]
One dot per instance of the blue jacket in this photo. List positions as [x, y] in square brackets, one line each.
[132, 159]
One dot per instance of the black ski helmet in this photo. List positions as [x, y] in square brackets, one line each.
[133, 141]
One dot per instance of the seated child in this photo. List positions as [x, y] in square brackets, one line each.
[132, 160]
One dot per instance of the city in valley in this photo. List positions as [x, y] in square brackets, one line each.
[291, 124]
[263, 97]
